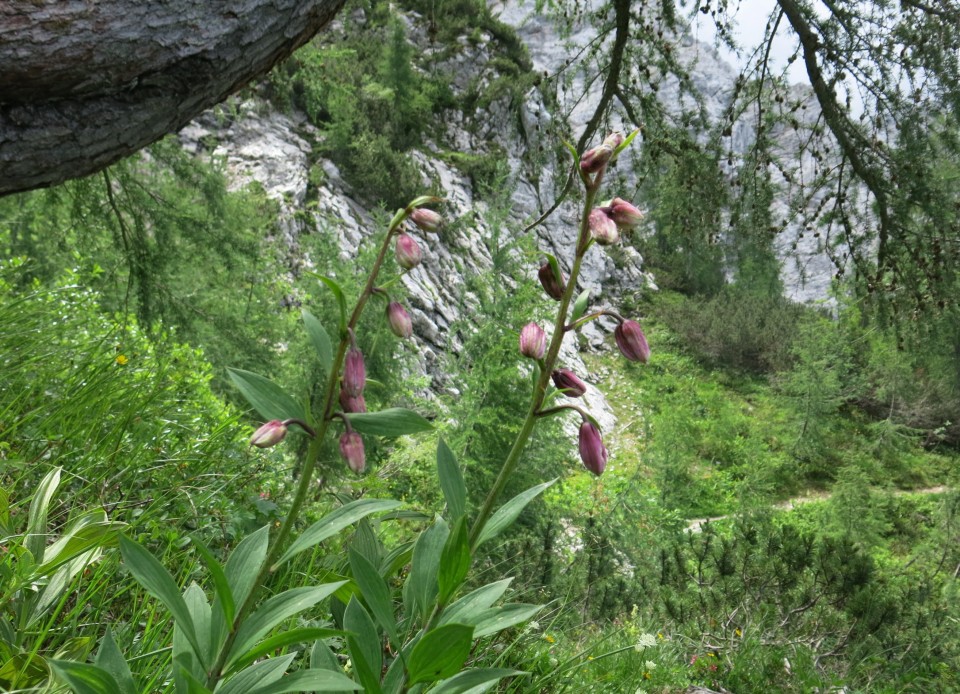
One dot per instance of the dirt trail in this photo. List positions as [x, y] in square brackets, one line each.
[695, 525]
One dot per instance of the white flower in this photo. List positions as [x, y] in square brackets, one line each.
[645, 641]
[649, 665]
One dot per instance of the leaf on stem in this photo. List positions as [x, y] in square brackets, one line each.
[440, 653]
[451, 481]
[580, 306]
[392, 422]
[265, 396]
[157, 581]
[334, 522]
[320, 339]
[508, 513]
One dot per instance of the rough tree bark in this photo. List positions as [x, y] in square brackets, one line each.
[83, 83]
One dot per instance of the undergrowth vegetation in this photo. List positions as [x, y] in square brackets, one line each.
[778, 513]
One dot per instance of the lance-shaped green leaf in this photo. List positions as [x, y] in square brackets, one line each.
[422, 581]
[91, 530]
[376, 593]
[470, 608]
[256, 677]
[36, 539]
[454, 561]
[499, 618]
[320, 340]
[364, 644]
[580, 305]
[508, 513]
[282, 640]
[337, 292]
[83, 678]
[392, 422]
[273, 612]
[265, 396]
[110, 658]
[474, 681]
[440, 653]
[220, 582]
[451, 481]
[311, 681]
[626, 142]
[334, 522]
[160, 584]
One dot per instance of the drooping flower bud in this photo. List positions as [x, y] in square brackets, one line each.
[269, 434]
[399, 320]
[408, 252]
[351, 448]
[552, 284]
[533, 341]
[351, 404]
[624, 215]
[427, 220]
[354, 373]
[568, 383]
[595, 159]
[602, 228]
[632, 342]
[613, 140]
[592, 451]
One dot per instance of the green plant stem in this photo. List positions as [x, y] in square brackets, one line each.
[540, 389]
[309, 465]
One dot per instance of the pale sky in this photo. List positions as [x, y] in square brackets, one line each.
[750, 23]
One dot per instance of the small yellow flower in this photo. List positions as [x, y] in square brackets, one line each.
[738, 633]
[549, 639]
[660, 636]
[646, 675]
[121, 359]
[589, 657]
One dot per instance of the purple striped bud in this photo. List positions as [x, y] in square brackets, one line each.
[269, 434]
[632, 342]
[351, 448]
[624, 215]
[595, 159]
[592, 451]
[533, 341]
[399, 320]
[407, 252]
[354, 373]
[427, 220]
[351, 404]
[602, 228]
[552, 285]
[568, 383]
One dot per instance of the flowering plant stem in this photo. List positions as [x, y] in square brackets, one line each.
[310, 461]
[539, 392]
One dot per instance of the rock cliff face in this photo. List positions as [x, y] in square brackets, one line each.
[276, 151]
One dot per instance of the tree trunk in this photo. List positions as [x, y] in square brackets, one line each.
[84, 83]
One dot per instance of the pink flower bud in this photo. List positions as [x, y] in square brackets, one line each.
[552, 284]
[351, 404]
[354, 373]
[613, 140]
[632, 342]
[602, 228]
[593, 160]
[568, 383]
[592, 452]
[427, 220]
[351, 448]
[533, 341]
[399, 320]
[408, 252]
[269, 434]
[625, 215]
